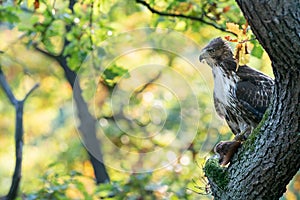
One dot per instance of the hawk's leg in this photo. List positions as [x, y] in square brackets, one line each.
[242, 136]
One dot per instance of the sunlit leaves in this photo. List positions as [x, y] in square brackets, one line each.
[241, 52]
[61, 186]
[74, 185]
[245, 44]
[112, 74]
[138, 186]
[9, 14]
[235, 28]
[61, 31]
[210, 12]
[257, 50]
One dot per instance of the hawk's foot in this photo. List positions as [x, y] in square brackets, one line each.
[226, 150]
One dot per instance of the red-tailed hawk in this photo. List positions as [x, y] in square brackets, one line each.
[241, 95]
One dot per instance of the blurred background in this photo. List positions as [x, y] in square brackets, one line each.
[141, 82]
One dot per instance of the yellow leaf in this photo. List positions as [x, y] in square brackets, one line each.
[244, 58]
[241, 53]
[234, 28]
[244, 53]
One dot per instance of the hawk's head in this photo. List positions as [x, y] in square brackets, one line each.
[215, 52]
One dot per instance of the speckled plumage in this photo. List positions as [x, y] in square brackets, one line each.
[241, 96]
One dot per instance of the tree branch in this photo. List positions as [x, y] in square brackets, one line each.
[7, 88]
[46, 53]
[194, 18]
[19, 105]
[150, 82]
[30, 91]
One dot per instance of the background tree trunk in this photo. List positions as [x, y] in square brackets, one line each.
[19, 132]
[270, 158]
[87, 122]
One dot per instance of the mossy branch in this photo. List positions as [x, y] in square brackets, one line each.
[215, 173]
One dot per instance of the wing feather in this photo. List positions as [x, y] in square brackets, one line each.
[254, 90]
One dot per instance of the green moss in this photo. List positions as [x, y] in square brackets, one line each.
[216, 173]
[248, 144]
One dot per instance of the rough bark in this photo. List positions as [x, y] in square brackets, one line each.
[270, 157]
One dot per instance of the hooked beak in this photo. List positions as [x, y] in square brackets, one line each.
[203, 55]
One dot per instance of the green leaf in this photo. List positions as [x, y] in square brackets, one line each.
[257, 51]
[112, 74]
[8, 14]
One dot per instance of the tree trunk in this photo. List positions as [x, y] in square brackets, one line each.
[87, 125]
[19, 132]
[270, 157]
[87, 129]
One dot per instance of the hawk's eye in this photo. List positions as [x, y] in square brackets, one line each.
[211, 50]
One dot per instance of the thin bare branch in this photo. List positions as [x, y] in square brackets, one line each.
[200, 19]
[46, 53]
[30, 91]
[7, 89]
[150, 82]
